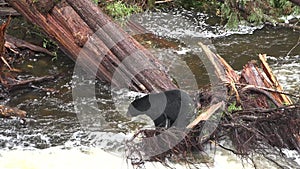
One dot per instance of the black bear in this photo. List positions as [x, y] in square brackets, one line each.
[166, 109]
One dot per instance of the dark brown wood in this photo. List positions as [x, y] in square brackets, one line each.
[252, 75]
[2, 36]
[20, 83]
[297, 2]
[2, 51]
[72, 31]
[6, 10]
[14, 44]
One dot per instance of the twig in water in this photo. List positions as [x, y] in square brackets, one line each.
[298, 43]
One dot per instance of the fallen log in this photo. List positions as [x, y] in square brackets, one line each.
[72, 23]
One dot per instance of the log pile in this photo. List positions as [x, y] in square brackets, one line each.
[268, 113]
[258, 115]
[73, 25]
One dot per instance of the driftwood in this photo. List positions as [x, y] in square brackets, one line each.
[14, 44]
[6, 78]
[6, 10]
[282, 97]
[2, 50]
[258, 120]
[12, 84]
[220, 74]
[6, 111]
[2, 35]
[72, 23]
[254, 124]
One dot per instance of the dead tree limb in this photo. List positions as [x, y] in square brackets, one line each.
[14, 43]
[272, 78]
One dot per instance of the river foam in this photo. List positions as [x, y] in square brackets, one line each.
[92, 158]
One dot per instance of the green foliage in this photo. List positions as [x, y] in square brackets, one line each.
[226, 10]
[95, 1]
[233, 12]
[209, 6]
[233, 21]
[48, 43]
[188, 4]
[255, 11]
[296, 10]
[150, 4]
[232, 107]
[54, 56]
[278, 3]
[281, 7]
[120, 10]
[256, 16]
[230, 15]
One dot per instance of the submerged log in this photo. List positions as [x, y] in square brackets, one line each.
[72, 23]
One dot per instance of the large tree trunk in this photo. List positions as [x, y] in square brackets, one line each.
[74, 24]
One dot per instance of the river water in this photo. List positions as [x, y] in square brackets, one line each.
[54, 137]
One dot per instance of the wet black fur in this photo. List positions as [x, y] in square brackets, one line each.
[165, 115]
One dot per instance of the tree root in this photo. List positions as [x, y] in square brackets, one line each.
[267, 118]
